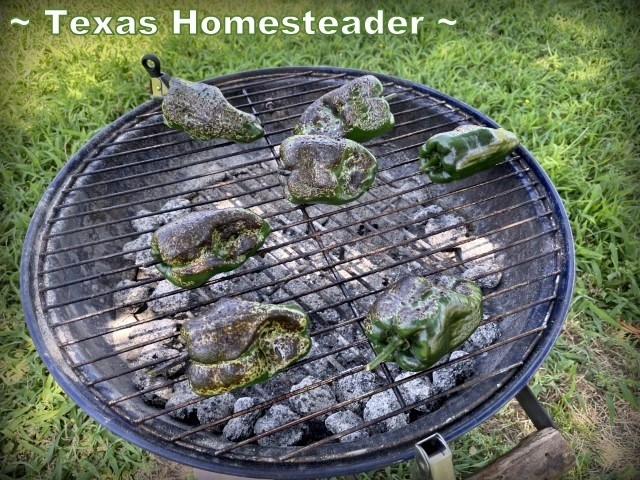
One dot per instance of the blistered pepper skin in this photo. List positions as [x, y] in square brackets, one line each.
[469, 149]
[193, 248]
[420, 319]
[202, 111]
[240, 343]
[355, 111]
[319, 169]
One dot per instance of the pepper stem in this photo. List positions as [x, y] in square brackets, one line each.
[385, 353]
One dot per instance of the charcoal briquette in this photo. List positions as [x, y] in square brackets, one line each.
[416, 390]
[241, 428]
[382, 404]
[215, 408]
[355, 385]
[134, 296]
[340, 421]
[157, 397]
[448, 377]
[275, 417]
[165, 305]
[319, 398]
[182, 393]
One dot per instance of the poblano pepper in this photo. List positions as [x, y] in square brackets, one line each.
[420, 319]
[239, 343]
[193, 248]
[468, 149]
[355, 111]
[202, 111]
[319, 169]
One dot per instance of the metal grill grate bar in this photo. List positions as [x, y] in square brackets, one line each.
[373, 252]
[326, 307]
[293, 297]
[309, 236]
[440, 270]
[315, 333]
[321, 216]
[174, 312]
[282, 212]
[182, 180]
[221, 157]
[326, 381]
[350, 401]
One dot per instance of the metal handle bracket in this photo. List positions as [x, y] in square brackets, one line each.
[159, 82]
[433, 459]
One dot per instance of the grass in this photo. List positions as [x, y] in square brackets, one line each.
[563, 75]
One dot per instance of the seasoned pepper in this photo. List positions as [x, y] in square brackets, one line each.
[319, 169]
[193, 248]
[355, 111]
[202, 111]
[468, 149]
[239, 343]
[420, 319]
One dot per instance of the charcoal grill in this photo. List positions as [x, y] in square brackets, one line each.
[340, 258]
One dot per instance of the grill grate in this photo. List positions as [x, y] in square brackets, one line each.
[331, 260]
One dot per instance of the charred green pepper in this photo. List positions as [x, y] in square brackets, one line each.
[193, 248]
[469, 149]
[240, 343]
[420, 319]
[319, 169]
[355, 111]
[202, 111]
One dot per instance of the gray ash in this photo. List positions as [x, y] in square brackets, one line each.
[155, 356]
[484, 336]
[453, 226]
[152, 222]
[138, 251]
[167, 298]
[478, 268]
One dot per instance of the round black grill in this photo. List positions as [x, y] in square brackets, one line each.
[81, 264]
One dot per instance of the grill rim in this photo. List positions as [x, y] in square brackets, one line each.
[57, 366]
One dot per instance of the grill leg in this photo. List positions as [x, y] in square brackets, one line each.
[534, 409]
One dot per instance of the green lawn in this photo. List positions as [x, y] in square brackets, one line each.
[563, 75]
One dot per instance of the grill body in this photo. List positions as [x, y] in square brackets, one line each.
[331, 260]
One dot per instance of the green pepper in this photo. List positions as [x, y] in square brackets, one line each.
[240, 343]
[355, 111]
[319, 169]
[196, 246]
[468, 149]
[202, 111]
[420, 319]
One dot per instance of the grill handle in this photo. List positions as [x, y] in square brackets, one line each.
[433, 460]
[159, 83]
